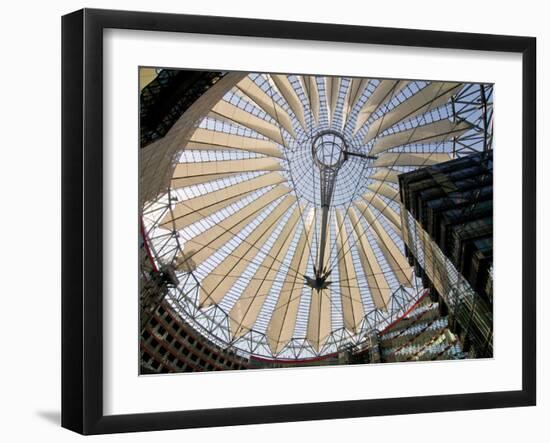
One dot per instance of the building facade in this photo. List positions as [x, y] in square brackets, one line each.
[447, 222]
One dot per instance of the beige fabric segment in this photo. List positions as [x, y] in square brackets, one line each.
[395, 258]
[157, 160]
[332, 89]
[385, 209]
[245, 311]
[309, 85]
[192, 169]
[352, 304]
[196, 180]
[430, 97]
[411, 159]
[265, 102]
[327, 81]
[318, 219]
[146, 76]
[207, 243]
[436, 132]
[346, 106]
[188, 174]
[383, 93]
[385, 175]
[287, 91]
[237, 115]
[185, 214]
[356, 89]
[221, 118]
[196, 146]
[206, 139]
[319, 321]
[283, 321]
[215, 285]
[385, 190]
[190, 211]
[378, 285]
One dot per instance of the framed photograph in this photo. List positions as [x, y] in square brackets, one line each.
[273, 221]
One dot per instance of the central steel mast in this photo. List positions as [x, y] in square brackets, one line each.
[329, 153]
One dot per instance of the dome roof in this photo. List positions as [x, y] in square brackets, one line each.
[283, 210]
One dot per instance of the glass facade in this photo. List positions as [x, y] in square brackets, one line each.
[447, 219]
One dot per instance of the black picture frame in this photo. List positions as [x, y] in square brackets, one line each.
[82, 218]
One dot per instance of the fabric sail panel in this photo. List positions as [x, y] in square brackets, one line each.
[244, 313]
[217, 283]
[352, 304]
[248, 87]
[241, 117]
[202, 246]
[386, 210]
[282, 83]
[436, 132]
[309, 85]
[283, 321]
[395, 258]
[190, 211]
[319, 319]
[378, 285]
[385, 175]
[430, 97]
